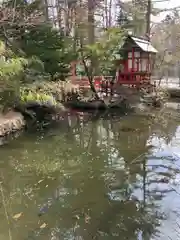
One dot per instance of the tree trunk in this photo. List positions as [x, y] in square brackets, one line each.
[46, 14]
[148, 19]
[90, 79]
[59, 13]
[106, 14]
[91, 32]
[91, 22]
[66, 18]
[110, 13]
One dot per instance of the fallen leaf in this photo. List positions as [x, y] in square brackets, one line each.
[43, 225]
[17, 216]
[87, 219]
[49, 177]
[40, 181]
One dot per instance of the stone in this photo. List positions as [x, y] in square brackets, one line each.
[11, 122]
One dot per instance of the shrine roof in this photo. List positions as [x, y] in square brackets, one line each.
[145, 45]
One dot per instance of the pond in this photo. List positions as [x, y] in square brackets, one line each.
[91, 177]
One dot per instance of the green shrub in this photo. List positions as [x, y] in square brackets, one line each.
[40, 97]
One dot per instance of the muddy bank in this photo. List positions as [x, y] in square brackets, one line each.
[29, 115]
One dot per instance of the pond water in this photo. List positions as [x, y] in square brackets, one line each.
[93, 178]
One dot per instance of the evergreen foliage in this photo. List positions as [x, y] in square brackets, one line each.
[51, 47]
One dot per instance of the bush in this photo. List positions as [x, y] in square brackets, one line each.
[39, 97]
[47, 92]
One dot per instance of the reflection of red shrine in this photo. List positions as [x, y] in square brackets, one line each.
[134, 68]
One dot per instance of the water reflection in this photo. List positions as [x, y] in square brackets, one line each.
[92, 178]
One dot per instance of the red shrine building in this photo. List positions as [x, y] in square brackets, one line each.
[134, 68]
[137, 60]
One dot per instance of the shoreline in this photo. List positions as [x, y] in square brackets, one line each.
[16, 120]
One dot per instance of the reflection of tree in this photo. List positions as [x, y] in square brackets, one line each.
[101, 181]
[109, 207]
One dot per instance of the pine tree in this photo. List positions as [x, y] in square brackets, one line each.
[51, 47]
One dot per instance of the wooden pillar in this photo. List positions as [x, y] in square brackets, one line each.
[73, 69]
[138, 60]
[133, 59]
